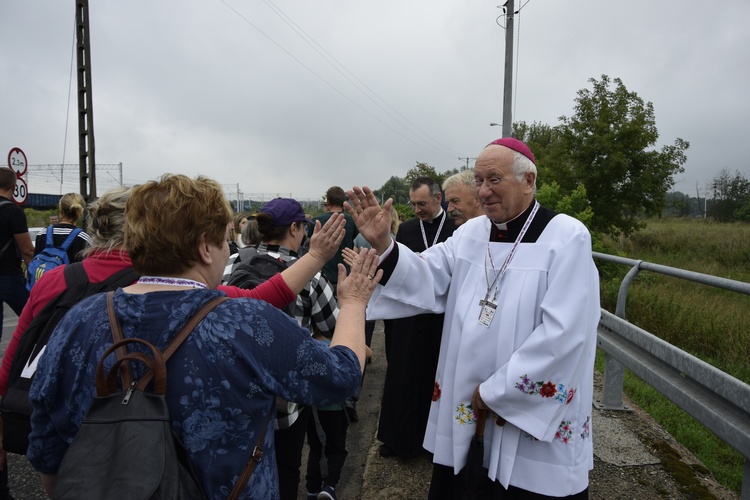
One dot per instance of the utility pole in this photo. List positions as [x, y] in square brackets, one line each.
[508, 85]
[467, 161]
[86, 148]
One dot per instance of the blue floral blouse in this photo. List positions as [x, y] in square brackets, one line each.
[221, 383]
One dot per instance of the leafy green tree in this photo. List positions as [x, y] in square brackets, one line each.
[575, 204]
[731, 197]
[423, 170]
[607, 145]
[543, 140]
[395, 188]
[678, 204]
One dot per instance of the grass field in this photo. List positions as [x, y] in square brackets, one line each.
[710, 323]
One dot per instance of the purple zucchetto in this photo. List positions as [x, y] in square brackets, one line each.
[515, 145]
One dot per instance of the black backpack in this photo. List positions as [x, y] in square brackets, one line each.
[15, 406]
[258, 269]
[126, 446]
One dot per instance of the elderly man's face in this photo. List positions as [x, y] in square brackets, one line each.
[503, 196]
[463, 203]
[425, 205]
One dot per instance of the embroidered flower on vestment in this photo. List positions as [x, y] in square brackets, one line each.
[436, 392]
[465, 414]
[586, 428]
[548, 389]
[564, 432]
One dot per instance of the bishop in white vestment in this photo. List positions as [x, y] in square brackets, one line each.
[520, 293]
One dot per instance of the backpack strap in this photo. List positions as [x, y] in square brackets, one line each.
[255, 458]
[11, 239]
[49, 242]
[173, 345]
[68, 241]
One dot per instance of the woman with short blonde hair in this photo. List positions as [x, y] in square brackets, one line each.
[71, 207]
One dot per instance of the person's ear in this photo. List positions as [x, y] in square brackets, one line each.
[204, 253]
[529, 178]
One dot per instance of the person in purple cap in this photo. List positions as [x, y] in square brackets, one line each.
[281, 224]
[520, 293]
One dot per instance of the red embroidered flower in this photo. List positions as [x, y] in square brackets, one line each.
[548, 390]
[436, 392]
[571, 393]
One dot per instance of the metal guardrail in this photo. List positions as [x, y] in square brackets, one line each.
[715, 399]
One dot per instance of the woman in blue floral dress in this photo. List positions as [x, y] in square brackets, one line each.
[223, 381]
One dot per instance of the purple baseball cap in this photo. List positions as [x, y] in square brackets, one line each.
[284, 211]
[515, 145]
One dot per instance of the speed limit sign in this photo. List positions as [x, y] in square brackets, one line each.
[20, 191]
[17, 161]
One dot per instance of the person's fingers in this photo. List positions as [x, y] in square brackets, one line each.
[342, 272]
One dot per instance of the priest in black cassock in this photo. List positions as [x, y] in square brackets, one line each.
[413, 344]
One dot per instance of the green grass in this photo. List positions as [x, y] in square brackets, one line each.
[712, 324]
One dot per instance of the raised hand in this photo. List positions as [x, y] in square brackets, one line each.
[372, 220]
[363, 276]
[349, 255]
[325, 241]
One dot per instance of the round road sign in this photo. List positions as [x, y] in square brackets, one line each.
[17, 161]
[20, 191]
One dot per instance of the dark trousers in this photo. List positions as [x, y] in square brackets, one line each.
[4, 490]
[326, 434]
[288, 444]
[446, 485]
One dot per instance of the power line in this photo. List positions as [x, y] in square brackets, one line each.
[329, 57]
[326, 81]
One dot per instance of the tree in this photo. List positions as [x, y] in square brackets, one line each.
[731, 197]
[607, 146]
[395, 188]
[423, 170]
[678, 204]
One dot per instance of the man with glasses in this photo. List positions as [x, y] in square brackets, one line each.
[413, 344]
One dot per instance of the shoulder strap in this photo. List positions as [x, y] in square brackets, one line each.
[50, 231]
[171, 347]
[69, 240]
[11, 239]
[255, 457]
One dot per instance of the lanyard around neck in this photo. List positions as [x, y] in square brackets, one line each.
[499, 275]
[163, 280]
[437, 235]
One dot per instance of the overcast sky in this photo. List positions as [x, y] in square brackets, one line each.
[292, 97]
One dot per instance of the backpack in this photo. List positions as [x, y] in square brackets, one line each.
[243, 255]
[50, 257]
[15, 406]
[260, 268]
[126, 442]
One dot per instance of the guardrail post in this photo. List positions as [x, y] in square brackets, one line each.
[614, 378]
[745, 495]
